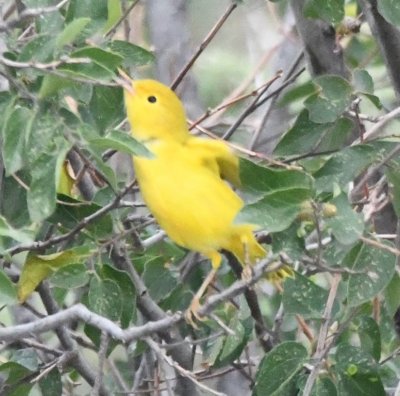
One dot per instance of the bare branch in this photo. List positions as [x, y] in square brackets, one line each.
[265, 266]
[30, 13]
[123, 17]
[185, 373]
[39, 245]
[104, 341]
[80, 312]
[203, 45]
[377, 129]
[322, 346]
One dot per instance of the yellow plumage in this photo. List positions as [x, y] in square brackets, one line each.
[182, 184]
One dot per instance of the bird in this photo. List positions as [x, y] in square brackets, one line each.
[187, 182]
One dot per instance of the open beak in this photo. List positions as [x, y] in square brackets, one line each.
[124, 81]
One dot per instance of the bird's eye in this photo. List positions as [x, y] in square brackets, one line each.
[152, 99]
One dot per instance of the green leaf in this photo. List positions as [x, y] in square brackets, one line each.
[393, 176]
[51, 384]
[69, 216]
[390, 10]
[40, 267]
[14, 372]
[39, 49]
[377, 267]
[42, 190]
[363, 81]
[107, 59]
[132, 54]
[15, 133]
[392, 295]
[307, 136]
[347, 226]
[364, 84]
[275, 212]
[8, 291]
[343, 167]
[93, 70]
[128, 292]
[96, 10]
[104, 298]
[71, 32]
[331, 100]
[324, 387]
[26, 357]
[114, 13]
[70, 277]
[52, 84]
[234, 344]
[278, 368]
[282, 191]
[106, 107]
[303, 297]
[6, 230]
[121, 141]
[158, 278]
[357, 372]
[289, 242]
[331, 11]
[370, 337]
[266, 180]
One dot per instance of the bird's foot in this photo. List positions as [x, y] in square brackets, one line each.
[247, 273]
[192, 314]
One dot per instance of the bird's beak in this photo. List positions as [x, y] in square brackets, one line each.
[124, 81]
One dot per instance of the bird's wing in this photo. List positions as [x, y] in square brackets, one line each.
[218, 156]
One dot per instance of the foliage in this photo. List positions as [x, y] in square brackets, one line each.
[62, 122]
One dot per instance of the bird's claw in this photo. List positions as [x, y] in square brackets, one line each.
[192, 314]
[247, 273]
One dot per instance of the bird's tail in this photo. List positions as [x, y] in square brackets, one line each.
[247, 250]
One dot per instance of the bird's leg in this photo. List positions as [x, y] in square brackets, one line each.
[192, 312]
[247, 272]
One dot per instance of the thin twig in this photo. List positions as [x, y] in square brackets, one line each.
[30, 13]
[203, 45]
[288, 75]
[372, 171]
[322, 348]
[380, 245]
[377, 129]
[120, 20]
[104, 341]
[250, 108]
[185, 373]
[38, 245]
[80, 312]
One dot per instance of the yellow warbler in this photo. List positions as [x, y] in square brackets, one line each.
[182, 184]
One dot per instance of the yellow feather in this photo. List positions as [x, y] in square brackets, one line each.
[183, 185]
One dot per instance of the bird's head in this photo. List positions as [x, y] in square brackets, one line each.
[154, 111]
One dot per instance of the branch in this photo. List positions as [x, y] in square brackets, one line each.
[376, 129]
[80, 312]
[104, 341]
[259, 270]
[185, 373]
[78, 363]
[380, 245]
[43, 66]
[322, 348]
[372, 171]
[39, 245]
[120, 20]
[251, 107]
[29, 13]
[203, 46]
